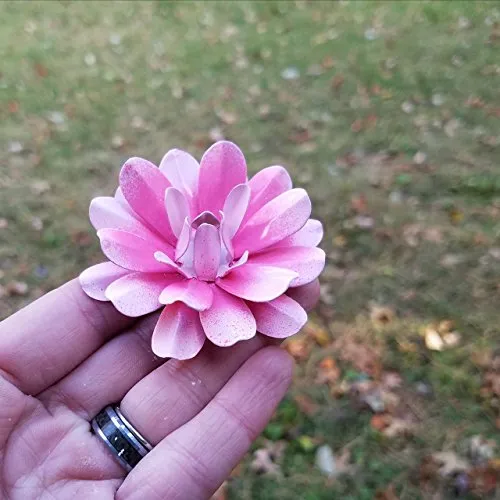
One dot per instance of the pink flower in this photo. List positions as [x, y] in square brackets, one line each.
[216, 251]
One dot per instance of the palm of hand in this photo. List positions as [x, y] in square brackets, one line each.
[65, 357]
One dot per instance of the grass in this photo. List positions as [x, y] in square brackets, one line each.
[391, 114]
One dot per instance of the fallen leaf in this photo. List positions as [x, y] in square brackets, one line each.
[265, 460]
[449, 463]
[17, 288]
[40, 186]
[328, 371]
[298, 347]
[337, 82]
[381, 315]
[380, 421]
[388, 493]
[13, 107]
[328, 62]
[318, 333]
[433, 340]
[306, 405]
[359, 204]
[399, 427]
[357, 125]
[391, 380]
[41, 70]
[331, 465]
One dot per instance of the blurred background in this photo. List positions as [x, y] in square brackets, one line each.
[388, 113]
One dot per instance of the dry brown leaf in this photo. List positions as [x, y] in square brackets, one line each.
[328, 371]
[306, 404]
[17, 288]
[318, 333]
[265, 459]
[388, 493]
[380, 421]
[298, 347]
[449, 463]
[399, 427]
[381, 315]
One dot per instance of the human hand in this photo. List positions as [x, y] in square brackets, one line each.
[66, 356]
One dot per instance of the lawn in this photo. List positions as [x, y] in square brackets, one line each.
[388, 113]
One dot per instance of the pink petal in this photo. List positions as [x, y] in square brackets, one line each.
[96, 279]
[224, 269]
[132, 251]
[194, 293]
[309, 236]
[265, 185]
[307, 262]
[184, 239]
[278, 219]
[177, 209]
[144, 187]
[306, 295]
[178, 333]
[206, 252]
[108, 212]
[223, 166]
[234, 210]
[137, 293]
[228, 321]
[257, 283]
[279, 318]
[171, 265]
[182, 171]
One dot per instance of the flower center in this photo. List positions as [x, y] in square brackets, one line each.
[202, 251]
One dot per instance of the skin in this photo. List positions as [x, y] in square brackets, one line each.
[64, 357]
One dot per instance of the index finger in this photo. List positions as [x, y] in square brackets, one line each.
[44, 341]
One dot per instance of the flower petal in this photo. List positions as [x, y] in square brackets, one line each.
[225, 268]
[278, 219]
[131, 251]
[177, 209]
[144, 187]
[309, 236]
[265, 186]
[306, 295]
[96, 279]
[108, 212]
[182, 171]
[137, 293]
[206, 252]
[184, 239]
[194, 293]
[307, 262]
[223, 166]
[279, 318]
[228, 321]
[234, 210]
[178, 333]
[257, 283]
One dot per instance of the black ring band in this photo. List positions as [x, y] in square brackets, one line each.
[125, 442]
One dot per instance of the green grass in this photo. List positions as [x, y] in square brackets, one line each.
[138, 78]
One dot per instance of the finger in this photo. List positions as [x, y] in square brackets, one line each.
[48, 338]
[194, 460]
[106, 376]
[176, 391]
[306, 295]
[13, 404]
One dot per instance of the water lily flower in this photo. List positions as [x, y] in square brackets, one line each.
[221, 255]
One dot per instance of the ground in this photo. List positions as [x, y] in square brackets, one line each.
[387, 113]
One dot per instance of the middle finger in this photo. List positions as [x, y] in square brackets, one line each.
[175, 392]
